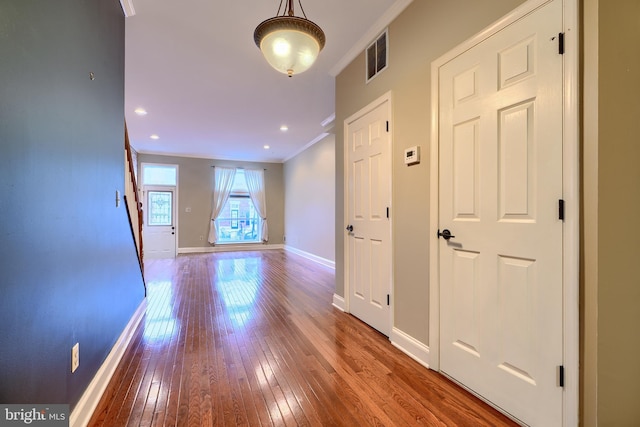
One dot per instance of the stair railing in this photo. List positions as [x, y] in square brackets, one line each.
[134, 210]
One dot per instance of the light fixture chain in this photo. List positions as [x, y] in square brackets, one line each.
[302, 9]
[280, 7]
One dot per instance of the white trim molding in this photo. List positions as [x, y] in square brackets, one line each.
[410, 346]
[571, 194]
[315, 140]
[91, 397]
[230, 248]
[590, 31]
[127, 8]
[328, 123]
[339, 302]
[312, 257]
[375, 30]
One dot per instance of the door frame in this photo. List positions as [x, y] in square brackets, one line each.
[386, 97]
[570, 190]
[174, 188]
[145, 200]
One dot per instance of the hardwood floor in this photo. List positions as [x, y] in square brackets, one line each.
[251, 339]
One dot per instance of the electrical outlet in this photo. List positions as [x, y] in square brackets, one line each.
[75, 357]
[201, 237]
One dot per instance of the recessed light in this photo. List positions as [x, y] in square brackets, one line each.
[140, 111]
[284, 128]
[266, 147]
[154, 136]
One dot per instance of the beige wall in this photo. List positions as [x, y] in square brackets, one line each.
[610, 283]
[195, 188]
[423, 32]
[310, 200]
[611, 302]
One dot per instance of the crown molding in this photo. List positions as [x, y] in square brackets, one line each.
[370, 35]
[327, 124]
[317, 139]
[127, 8]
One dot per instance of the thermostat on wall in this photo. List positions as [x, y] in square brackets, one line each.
[412, 155]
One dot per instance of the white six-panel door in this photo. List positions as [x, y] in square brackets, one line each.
[368, 198]
[159, 232]
[501, 312]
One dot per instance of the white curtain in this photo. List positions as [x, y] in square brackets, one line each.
[255, 184]
[221, 189]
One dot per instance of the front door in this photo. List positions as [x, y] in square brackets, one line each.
[368, 152]
[501, 324]
[159, 222]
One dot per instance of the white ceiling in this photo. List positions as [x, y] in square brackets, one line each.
[193, 65]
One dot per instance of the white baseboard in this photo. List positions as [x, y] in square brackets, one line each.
[410, 346]
[339, 303]
[91, 397]
[230, 248]
[312, 257]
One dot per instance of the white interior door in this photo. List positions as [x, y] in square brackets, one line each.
[368, 194]
[501, 313]
[159, 232]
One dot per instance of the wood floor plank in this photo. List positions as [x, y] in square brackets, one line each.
[252, 339]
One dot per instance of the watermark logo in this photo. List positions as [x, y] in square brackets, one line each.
[34, 415]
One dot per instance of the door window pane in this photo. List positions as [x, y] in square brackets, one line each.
[159, 208]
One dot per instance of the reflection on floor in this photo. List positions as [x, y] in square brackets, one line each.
[251, 339]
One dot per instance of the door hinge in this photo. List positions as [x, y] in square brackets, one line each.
[387, 125]
[561, 210]
[561, 376]
[388, 300]
[561, 43]
[387, 212]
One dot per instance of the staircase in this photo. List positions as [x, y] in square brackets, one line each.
[132, 201]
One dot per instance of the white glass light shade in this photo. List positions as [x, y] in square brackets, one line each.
[289, 44]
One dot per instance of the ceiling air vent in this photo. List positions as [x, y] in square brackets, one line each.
[377, 55]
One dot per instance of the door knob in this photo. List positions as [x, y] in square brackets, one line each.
[446, 234]
[350, 228]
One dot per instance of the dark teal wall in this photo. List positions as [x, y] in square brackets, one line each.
[68, 266]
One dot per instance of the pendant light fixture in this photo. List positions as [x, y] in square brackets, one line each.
[290, 44]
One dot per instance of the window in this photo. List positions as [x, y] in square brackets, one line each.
[159, 175]
[377, 56]
[159, 184]
[239, 222]
[159, 208]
